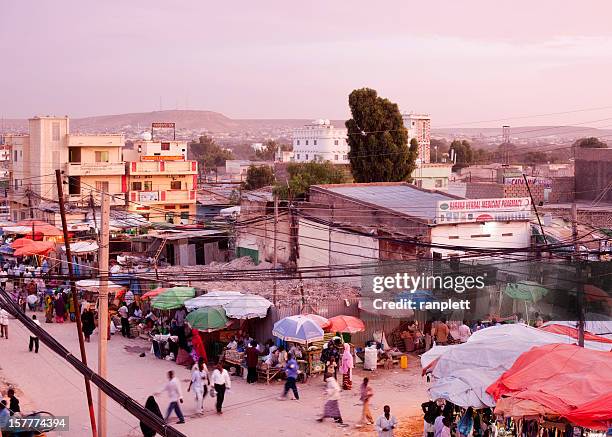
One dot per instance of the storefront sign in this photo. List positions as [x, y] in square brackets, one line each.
[163, 125]
[533, 180]
[149, 196]
[162, 158]
[484, 210]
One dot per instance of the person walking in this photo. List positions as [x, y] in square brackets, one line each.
[34, 342]
[173, 391]
[221, 381]
[89, 325]
[252, 357]
[430, 412]
[13, 402]
[198, 376]
[464, 332]
[152, 406]
[60, 307]
[332, 406]
[125, 321]
[291, 370]
[346, 367]
[386, 423]
[365, 396]
[4, 322]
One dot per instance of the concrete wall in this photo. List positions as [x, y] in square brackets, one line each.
[593, 173]
[260, 236]
[491, 190]
[562, 190]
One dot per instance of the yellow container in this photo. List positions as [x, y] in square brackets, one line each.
[404, 362]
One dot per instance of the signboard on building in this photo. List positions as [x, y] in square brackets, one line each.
[163, 125]
[162, 158]
[532, 180]
[484, 210]
[148, 196]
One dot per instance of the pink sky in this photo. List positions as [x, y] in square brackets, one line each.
[460, 61]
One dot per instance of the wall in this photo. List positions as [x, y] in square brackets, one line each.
[593, 173]
[491, 190]
[596, 217]
[260, 236]
[562, 190]
[432, 176]
[521, 235]
[320, 140]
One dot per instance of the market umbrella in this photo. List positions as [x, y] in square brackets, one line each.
[249, 306]
[526, 290]
[172, 298]
[347, 324]
[299, 329]
[35, 248]
[212, 299]
[320, 320]
[94, 285]
[207, 319]
[152, 293]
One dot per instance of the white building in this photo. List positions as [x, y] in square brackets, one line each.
[320, 141]
[419, 127]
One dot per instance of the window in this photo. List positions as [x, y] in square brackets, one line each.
[136, 186]
[185, 215]
[509, 234]
[480, 235]
[15, 158]
[101, 156]
[345, 157]
[175, 185]
[439, 183]
[315, 142]
[298, 142]
[335, 157]
[298, 156]
[102, 186]
[335, 142]
[184, 206]
[306, 142]
[74, 185]
[148, 185]
[453, 237]
[16, 181]
[55, 131]
[165, 146]
[307, 155]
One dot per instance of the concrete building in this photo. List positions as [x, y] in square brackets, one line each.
[91, 164]
[320, 141]
[161, 183]
[432, 176]
[419, 127]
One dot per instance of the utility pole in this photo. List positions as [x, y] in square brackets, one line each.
[75, 298]
[103, 305]
[275, 262]
[580, 285]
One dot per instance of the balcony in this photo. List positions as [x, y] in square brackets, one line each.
[117, 199]
[163, 167]
[162, 196]
[94, 168]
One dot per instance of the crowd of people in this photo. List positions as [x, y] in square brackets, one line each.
[443, 419]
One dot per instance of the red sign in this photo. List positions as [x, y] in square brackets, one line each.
[163, 124]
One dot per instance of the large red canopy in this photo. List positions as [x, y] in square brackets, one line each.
[573, 332]
[566, 380]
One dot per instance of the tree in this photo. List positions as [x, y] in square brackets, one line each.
[438, 149]
[270, 149]
[303, 175]
[481, 156]
[464, 153]
[208, 153]
[377, 139]
[258, 176]
[537, 157]
[590, 143]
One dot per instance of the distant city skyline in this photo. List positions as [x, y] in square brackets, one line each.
[461, 62]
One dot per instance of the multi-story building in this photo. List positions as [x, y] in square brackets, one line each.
[91, 163]
[419, 127]
[161, 182]
[320, 141]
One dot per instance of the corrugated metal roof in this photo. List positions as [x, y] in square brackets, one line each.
[402, 198]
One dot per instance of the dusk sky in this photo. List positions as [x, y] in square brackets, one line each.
[460, 61]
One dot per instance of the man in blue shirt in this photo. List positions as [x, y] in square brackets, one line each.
[291, 369]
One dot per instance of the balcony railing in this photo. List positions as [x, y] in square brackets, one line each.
[162, 196]
[163, 167]
[94, 168]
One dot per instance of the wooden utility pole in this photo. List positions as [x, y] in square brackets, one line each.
[75, 298]
[580, 285]
[103, 256]
[275, 246]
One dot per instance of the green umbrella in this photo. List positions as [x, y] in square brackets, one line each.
[207, 319]
[526, 290]
[172, 298]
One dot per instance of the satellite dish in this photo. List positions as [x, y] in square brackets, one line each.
[146, 136]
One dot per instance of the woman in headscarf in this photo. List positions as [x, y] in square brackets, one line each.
[152, 406]
[87, 319]
[346, 367]
[60, 308]
[198, 346]
[332, 407]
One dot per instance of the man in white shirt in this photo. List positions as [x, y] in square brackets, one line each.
[464, 332]
[173, 391]
[125, 321]
[198, 375]
[34, 342]
[4, 322]
[221, 380]
[386, 423]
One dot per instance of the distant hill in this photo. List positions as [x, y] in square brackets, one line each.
[184, 119]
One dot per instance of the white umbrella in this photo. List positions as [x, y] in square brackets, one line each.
[250, 306]
[212, 299]
[94, 285]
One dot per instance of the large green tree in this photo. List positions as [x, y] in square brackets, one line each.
[258, 176]
[377, 139]
[270, 149]
[464, 152]
[208, 153]
[303, 175]
[590, 143]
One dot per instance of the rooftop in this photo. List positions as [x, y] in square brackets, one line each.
[399, 197]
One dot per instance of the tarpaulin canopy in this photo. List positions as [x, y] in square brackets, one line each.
[172, 298]
[593, 414]
[212, 299]
[600, 327]
[561, 378]
[526, 290]
[27, 247]
[249, 306]
[82, 247]
[488, 352]
[573, 333]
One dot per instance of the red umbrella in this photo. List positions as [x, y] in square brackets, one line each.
[348, 324]
[320, 320]
[153, 293]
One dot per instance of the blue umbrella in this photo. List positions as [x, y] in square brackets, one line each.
[298, 329]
